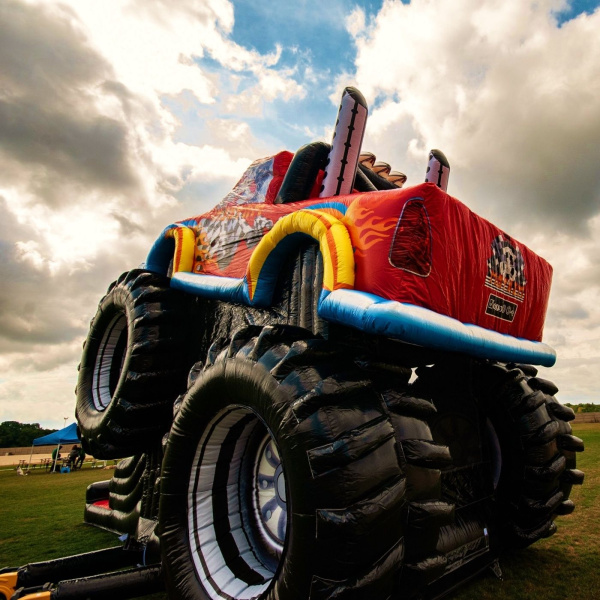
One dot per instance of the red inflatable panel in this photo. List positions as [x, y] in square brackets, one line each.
[421, 246]
[416, 245]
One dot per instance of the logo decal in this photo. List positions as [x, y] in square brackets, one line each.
[506, 270]
[503, 309]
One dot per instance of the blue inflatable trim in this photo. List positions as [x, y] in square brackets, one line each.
[214, 287]
[417, 325]
[161, 253]
[378, 316]
[340, 206]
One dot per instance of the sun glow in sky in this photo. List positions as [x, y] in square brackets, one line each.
[119, 117]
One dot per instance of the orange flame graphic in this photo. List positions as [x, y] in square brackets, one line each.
[368, 229]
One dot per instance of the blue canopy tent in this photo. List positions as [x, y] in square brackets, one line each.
[68, 435]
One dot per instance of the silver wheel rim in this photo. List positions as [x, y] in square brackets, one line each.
[270, 497]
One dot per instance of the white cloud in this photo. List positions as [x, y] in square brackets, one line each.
[93, 167]
[507, 94]
[112, 125]
[512, 99]
[356, 22]
[573, 320]
[94, 147]
[26, 394]
[151, 46]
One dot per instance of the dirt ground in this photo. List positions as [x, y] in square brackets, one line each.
[37, 460]
[13, 460]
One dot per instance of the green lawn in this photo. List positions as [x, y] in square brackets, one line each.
[41, 517]
[565, 565]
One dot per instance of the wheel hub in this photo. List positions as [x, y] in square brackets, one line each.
[271, 495]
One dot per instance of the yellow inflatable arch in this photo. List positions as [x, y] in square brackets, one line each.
[334, 243]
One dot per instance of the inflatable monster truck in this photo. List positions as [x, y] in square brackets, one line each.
[362, 418]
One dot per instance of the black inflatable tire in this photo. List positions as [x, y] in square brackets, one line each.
[538, 451]
[344, 487]
[134, 364]
[465, 544]
[527, 431]
[421, 460]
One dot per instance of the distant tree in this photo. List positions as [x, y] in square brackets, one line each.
[16, 435]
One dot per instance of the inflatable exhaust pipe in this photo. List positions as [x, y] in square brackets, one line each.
[438, 169]
[345, 147]
[367, 159]
[382, 169]
[368, 167]
[397, 178]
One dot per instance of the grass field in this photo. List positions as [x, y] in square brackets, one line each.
[41, 518]
[565, 565]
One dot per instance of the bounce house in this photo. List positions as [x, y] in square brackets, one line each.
[325, 388]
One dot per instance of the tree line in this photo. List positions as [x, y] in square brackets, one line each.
[587, 407]
[16, 435]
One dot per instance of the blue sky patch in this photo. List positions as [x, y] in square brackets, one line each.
[577, 7]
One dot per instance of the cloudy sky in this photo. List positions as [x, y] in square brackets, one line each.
[119, 117]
